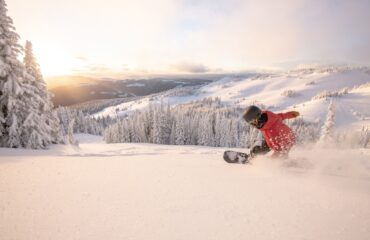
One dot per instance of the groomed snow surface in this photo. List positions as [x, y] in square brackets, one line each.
[145, 191]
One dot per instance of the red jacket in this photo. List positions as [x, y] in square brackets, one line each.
[279, 137]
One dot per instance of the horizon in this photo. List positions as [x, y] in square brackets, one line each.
[123, 38]
[120, 77]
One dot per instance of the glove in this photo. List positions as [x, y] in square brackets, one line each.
[295, 114]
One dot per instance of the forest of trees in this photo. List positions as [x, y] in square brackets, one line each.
[75, 121]
[209, 122]
[205, 122]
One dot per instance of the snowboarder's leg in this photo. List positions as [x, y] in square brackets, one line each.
[260, 149]
[283, 153]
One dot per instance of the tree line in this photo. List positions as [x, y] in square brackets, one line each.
[206, 122]
[209, 122]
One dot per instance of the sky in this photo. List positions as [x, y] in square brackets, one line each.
[125, 37]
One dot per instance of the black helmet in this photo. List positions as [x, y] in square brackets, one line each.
[252, 113]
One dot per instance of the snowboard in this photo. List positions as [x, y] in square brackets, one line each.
[236, 157]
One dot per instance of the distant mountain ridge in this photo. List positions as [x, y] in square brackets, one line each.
[75, 89]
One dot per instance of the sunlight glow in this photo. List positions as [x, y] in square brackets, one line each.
[56, 61]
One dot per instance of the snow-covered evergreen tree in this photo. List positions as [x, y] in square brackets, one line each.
[70, 138]
[173, 133]
[328, 127]
[225, 132]
[13, 107]
[41, 120]
[161, 125]
[234, 133]
[205, 130]
[243, 141]
[33, 69]
[180, 138]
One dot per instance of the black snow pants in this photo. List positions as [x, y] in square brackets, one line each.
[260, 149]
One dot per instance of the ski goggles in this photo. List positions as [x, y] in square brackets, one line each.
[254, 122]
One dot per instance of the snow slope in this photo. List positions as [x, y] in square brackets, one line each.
[145, 191]
[303, 90]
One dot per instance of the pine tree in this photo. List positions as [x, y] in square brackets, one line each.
[193, 126]
[180, 138]
[70, 137]
[48, 123]
[234, 133]
[12, 72]
[36, 131]
[64, 116]
[225, 138]
[173, 133]
[157, 134]
[205, 130]
[161, 125]
[328, 127]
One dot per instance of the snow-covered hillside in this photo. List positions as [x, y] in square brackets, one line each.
[305, 90]
[144, 191]
[148, 191]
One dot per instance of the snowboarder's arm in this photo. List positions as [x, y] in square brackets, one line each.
[287, 115]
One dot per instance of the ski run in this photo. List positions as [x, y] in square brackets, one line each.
[148, 191]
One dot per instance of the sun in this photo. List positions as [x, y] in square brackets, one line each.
[54, 61]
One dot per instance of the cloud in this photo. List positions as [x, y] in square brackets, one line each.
[82, 58]
[226, 34]
[264, 33]
[190, 68]
[93, 68]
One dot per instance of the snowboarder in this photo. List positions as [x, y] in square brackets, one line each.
[277, 136]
